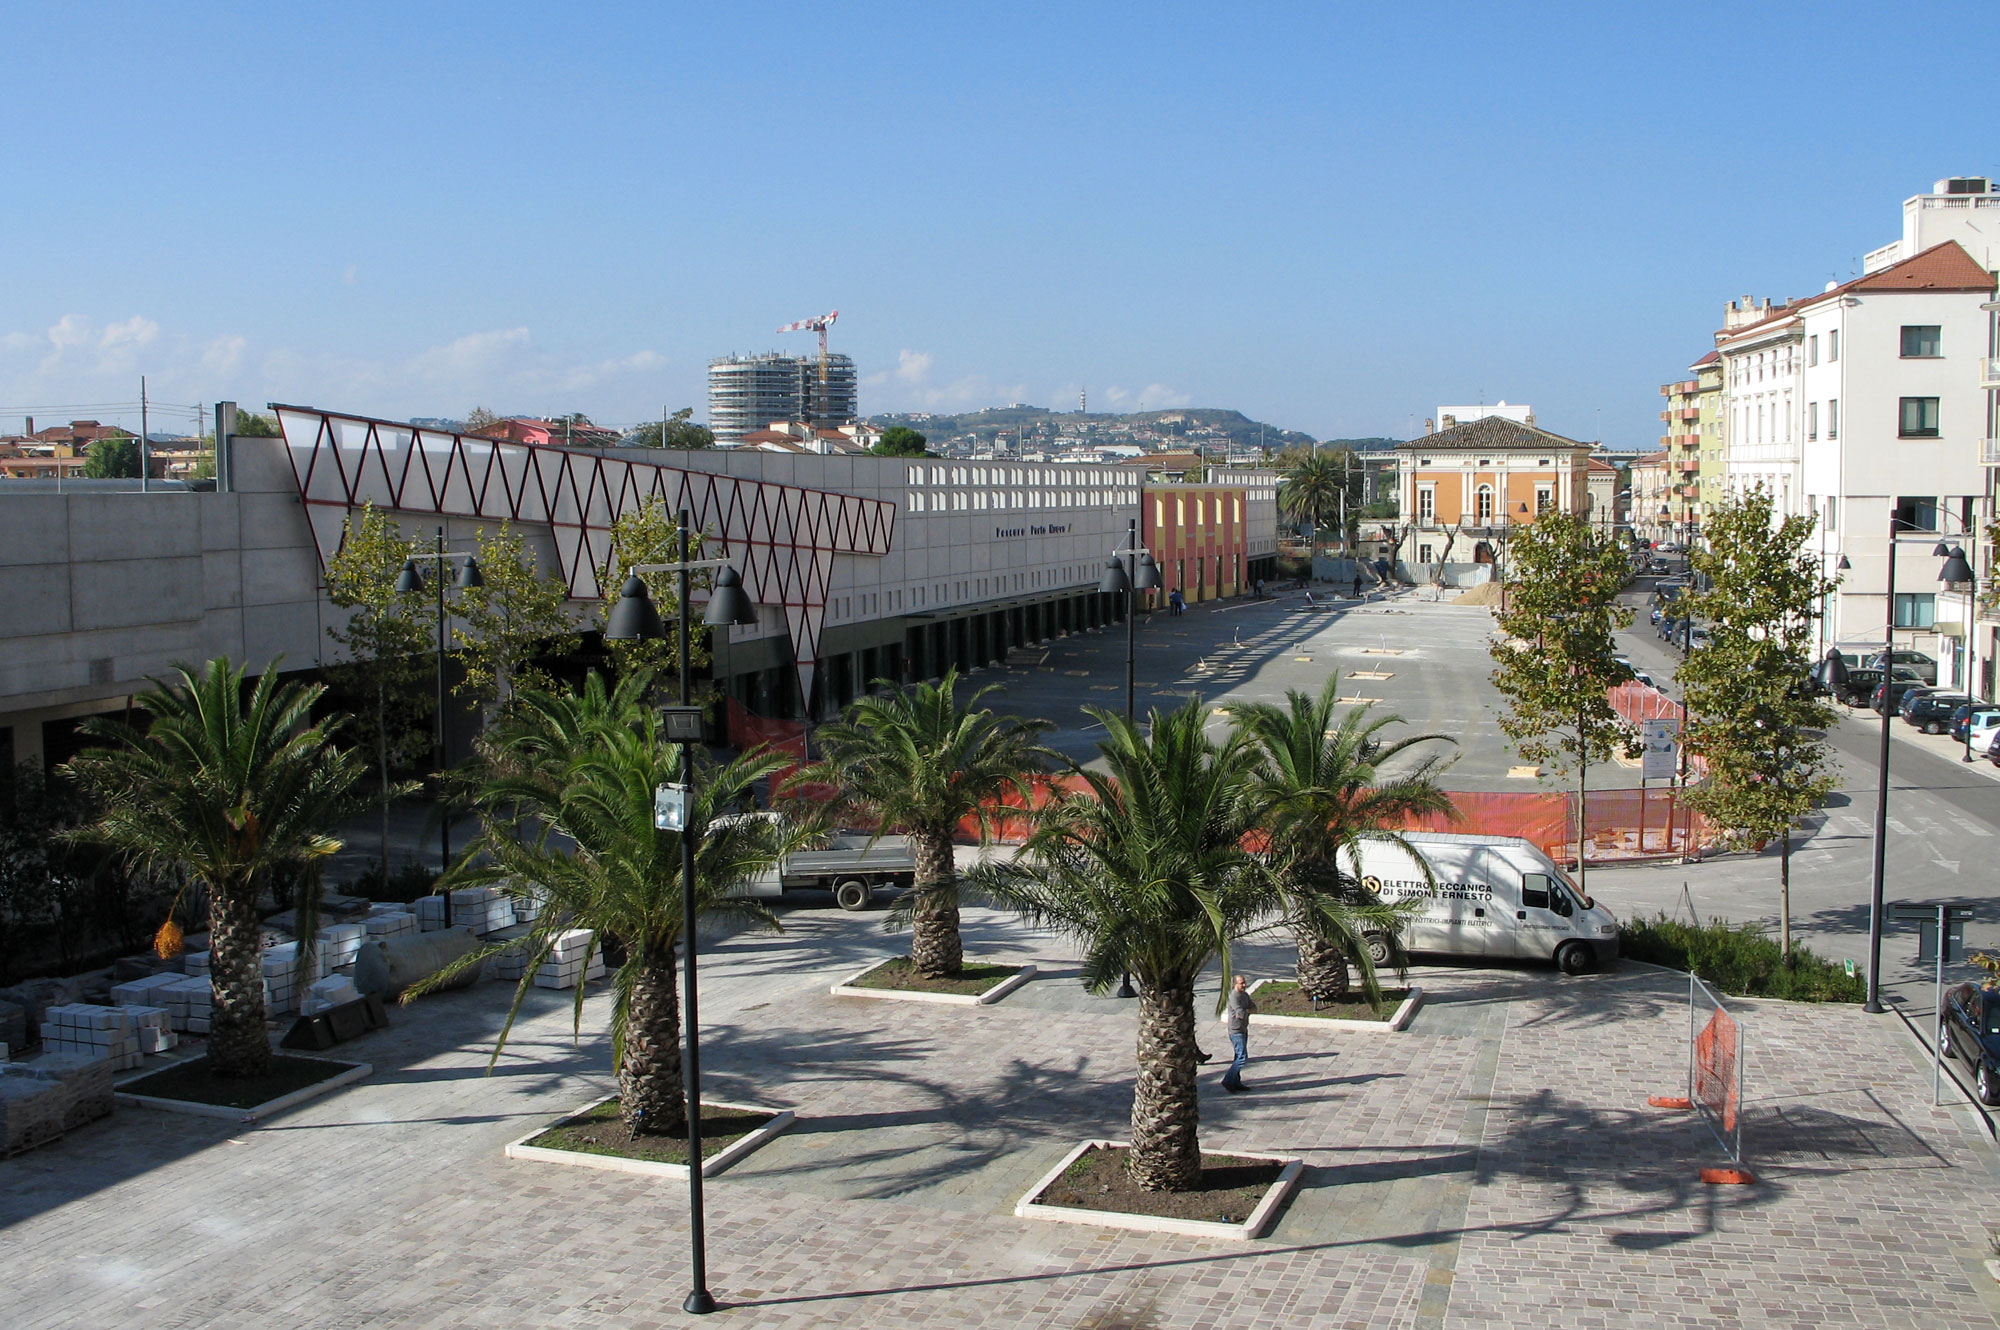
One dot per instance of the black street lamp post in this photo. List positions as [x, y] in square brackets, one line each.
[1873, 1005]
[633, 619]
[1144, 575]
[411, 582]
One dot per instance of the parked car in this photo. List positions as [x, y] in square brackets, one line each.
[1695, 638]
[1888, 696]
[1929, 709]
[1981, 738]
[1970, 716]
[1916, 662]
[1993, 748]
[1667, 627]
[1970, 1029]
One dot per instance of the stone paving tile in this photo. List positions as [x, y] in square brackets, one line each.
[1493, 1166]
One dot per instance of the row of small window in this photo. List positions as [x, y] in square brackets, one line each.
[959, 501]
[845, 609]
[1482, 503]
[1189, 512]
[1056, 476]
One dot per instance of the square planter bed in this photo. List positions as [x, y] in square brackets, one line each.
[187, 1087]
[558, 1144]
[1251, 1202]
[1397, 1017]
[893, 979]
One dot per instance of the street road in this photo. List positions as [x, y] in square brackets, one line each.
[1427, 661]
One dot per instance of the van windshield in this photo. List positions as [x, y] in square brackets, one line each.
[1569, 883]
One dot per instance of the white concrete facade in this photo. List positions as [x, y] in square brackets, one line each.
[1761, 358]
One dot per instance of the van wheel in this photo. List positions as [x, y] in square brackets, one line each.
[1574, 958]
[851, 894]
[1379, 950]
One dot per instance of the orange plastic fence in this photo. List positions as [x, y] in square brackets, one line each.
[1618, 824]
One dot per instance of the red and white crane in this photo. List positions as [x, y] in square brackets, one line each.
[818, 325]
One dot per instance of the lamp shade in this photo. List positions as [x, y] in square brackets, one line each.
[1843, 565]
[410, 579]
[1956, 570]
[633, 618]
[1940, 551]
[1149, 574]
[729, 603]
[469, 575]
[1114, 582]
[1833, 671]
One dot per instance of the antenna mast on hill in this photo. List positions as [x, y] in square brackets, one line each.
[818, 325]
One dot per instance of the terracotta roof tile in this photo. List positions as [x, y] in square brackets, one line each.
[1491, 432]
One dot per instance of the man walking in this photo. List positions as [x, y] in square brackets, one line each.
[1237, 1017]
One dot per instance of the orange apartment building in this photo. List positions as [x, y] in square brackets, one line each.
[1463, 487]
[1200, 536]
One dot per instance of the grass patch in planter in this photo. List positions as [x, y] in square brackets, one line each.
[1282, 997]
[599, 1130]
[195, 1082]
[1231, 1187]
[898, 974]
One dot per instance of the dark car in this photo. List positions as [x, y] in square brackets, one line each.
[1888, 697]
[1971, 715]
[1993, 749]
[1971, 1030]
[1931, 711]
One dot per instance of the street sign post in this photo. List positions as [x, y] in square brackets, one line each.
[1940, 938]
[1662, 754]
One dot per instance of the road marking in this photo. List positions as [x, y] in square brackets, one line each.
[1899, 828]
[1949, 865]
[1860, 828]
[1969, 827]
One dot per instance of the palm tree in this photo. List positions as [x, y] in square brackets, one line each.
[1147, 869]
[223, 790]
[918, 761]
[1311, 485]
[1321, 794]
[566, 814]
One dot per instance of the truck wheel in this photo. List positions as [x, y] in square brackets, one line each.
[1574, 958]
[1379, 951]
[851, 894]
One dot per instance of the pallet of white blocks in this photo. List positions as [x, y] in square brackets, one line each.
[481, 909]
[324, 994]
[93, 1031]
[142, 992]
[527, 903]
[286, 974]
[338, 945]
[40, 1100]
[384, 922]
[190, 1002]
[575, 960]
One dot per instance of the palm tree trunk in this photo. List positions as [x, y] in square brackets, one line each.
[936, 951]
[1322, 966]
[238, 1045]
[651, 1099]
[1166, 1114]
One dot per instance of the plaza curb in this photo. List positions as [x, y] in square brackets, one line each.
[846, 988]
[756, 1140]
[1253, 1227]
[355, 1071]
[1399, 1020]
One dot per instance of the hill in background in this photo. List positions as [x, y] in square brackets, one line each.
[1037, 428]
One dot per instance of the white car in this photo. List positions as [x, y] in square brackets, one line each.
[1985, 724]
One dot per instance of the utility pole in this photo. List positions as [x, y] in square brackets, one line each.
[145, 450]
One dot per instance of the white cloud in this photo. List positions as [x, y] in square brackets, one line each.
[80, 359]
[1152, 397]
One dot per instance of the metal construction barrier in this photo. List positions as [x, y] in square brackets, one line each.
[1715, 1077]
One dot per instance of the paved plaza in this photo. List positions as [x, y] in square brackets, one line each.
[1494, 1165]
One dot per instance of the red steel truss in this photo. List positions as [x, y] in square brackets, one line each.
[782, 538]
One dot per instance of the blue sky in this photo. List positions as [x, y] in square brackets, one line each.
[1333, 217]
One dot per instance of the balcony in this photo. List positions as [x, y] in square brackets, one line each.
[1666, 415]
[1989, 452]
[1686, 440]
[1989, 373]
[1688, 413]
[1686, 465]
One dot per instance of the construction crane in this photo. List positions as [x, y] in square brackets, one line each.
[818, 325]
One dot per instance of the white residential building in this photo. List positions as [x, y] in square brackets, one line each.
[1760, 346]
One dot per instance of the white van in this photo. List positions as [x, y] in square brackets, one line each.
[1488, 897]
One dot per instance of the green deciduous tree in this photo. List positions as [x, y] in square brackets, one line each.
[901, 441]
[1753, 716]
[226, 789]
[916, 760]
[1322, 793]
[250, 424]
[112, 459]
[588, 763]
[387, 639]
[1146, 868]
[677, 431]
[517, 614]
[1558, 660]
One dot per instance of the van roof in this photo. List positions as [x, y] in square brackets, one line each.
[1463, 838]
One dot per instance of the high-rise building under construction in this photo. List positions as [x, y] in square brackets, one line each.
[749, 393]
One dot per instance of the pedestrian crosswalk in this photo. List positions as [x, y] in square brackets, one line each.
[1925, 826]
